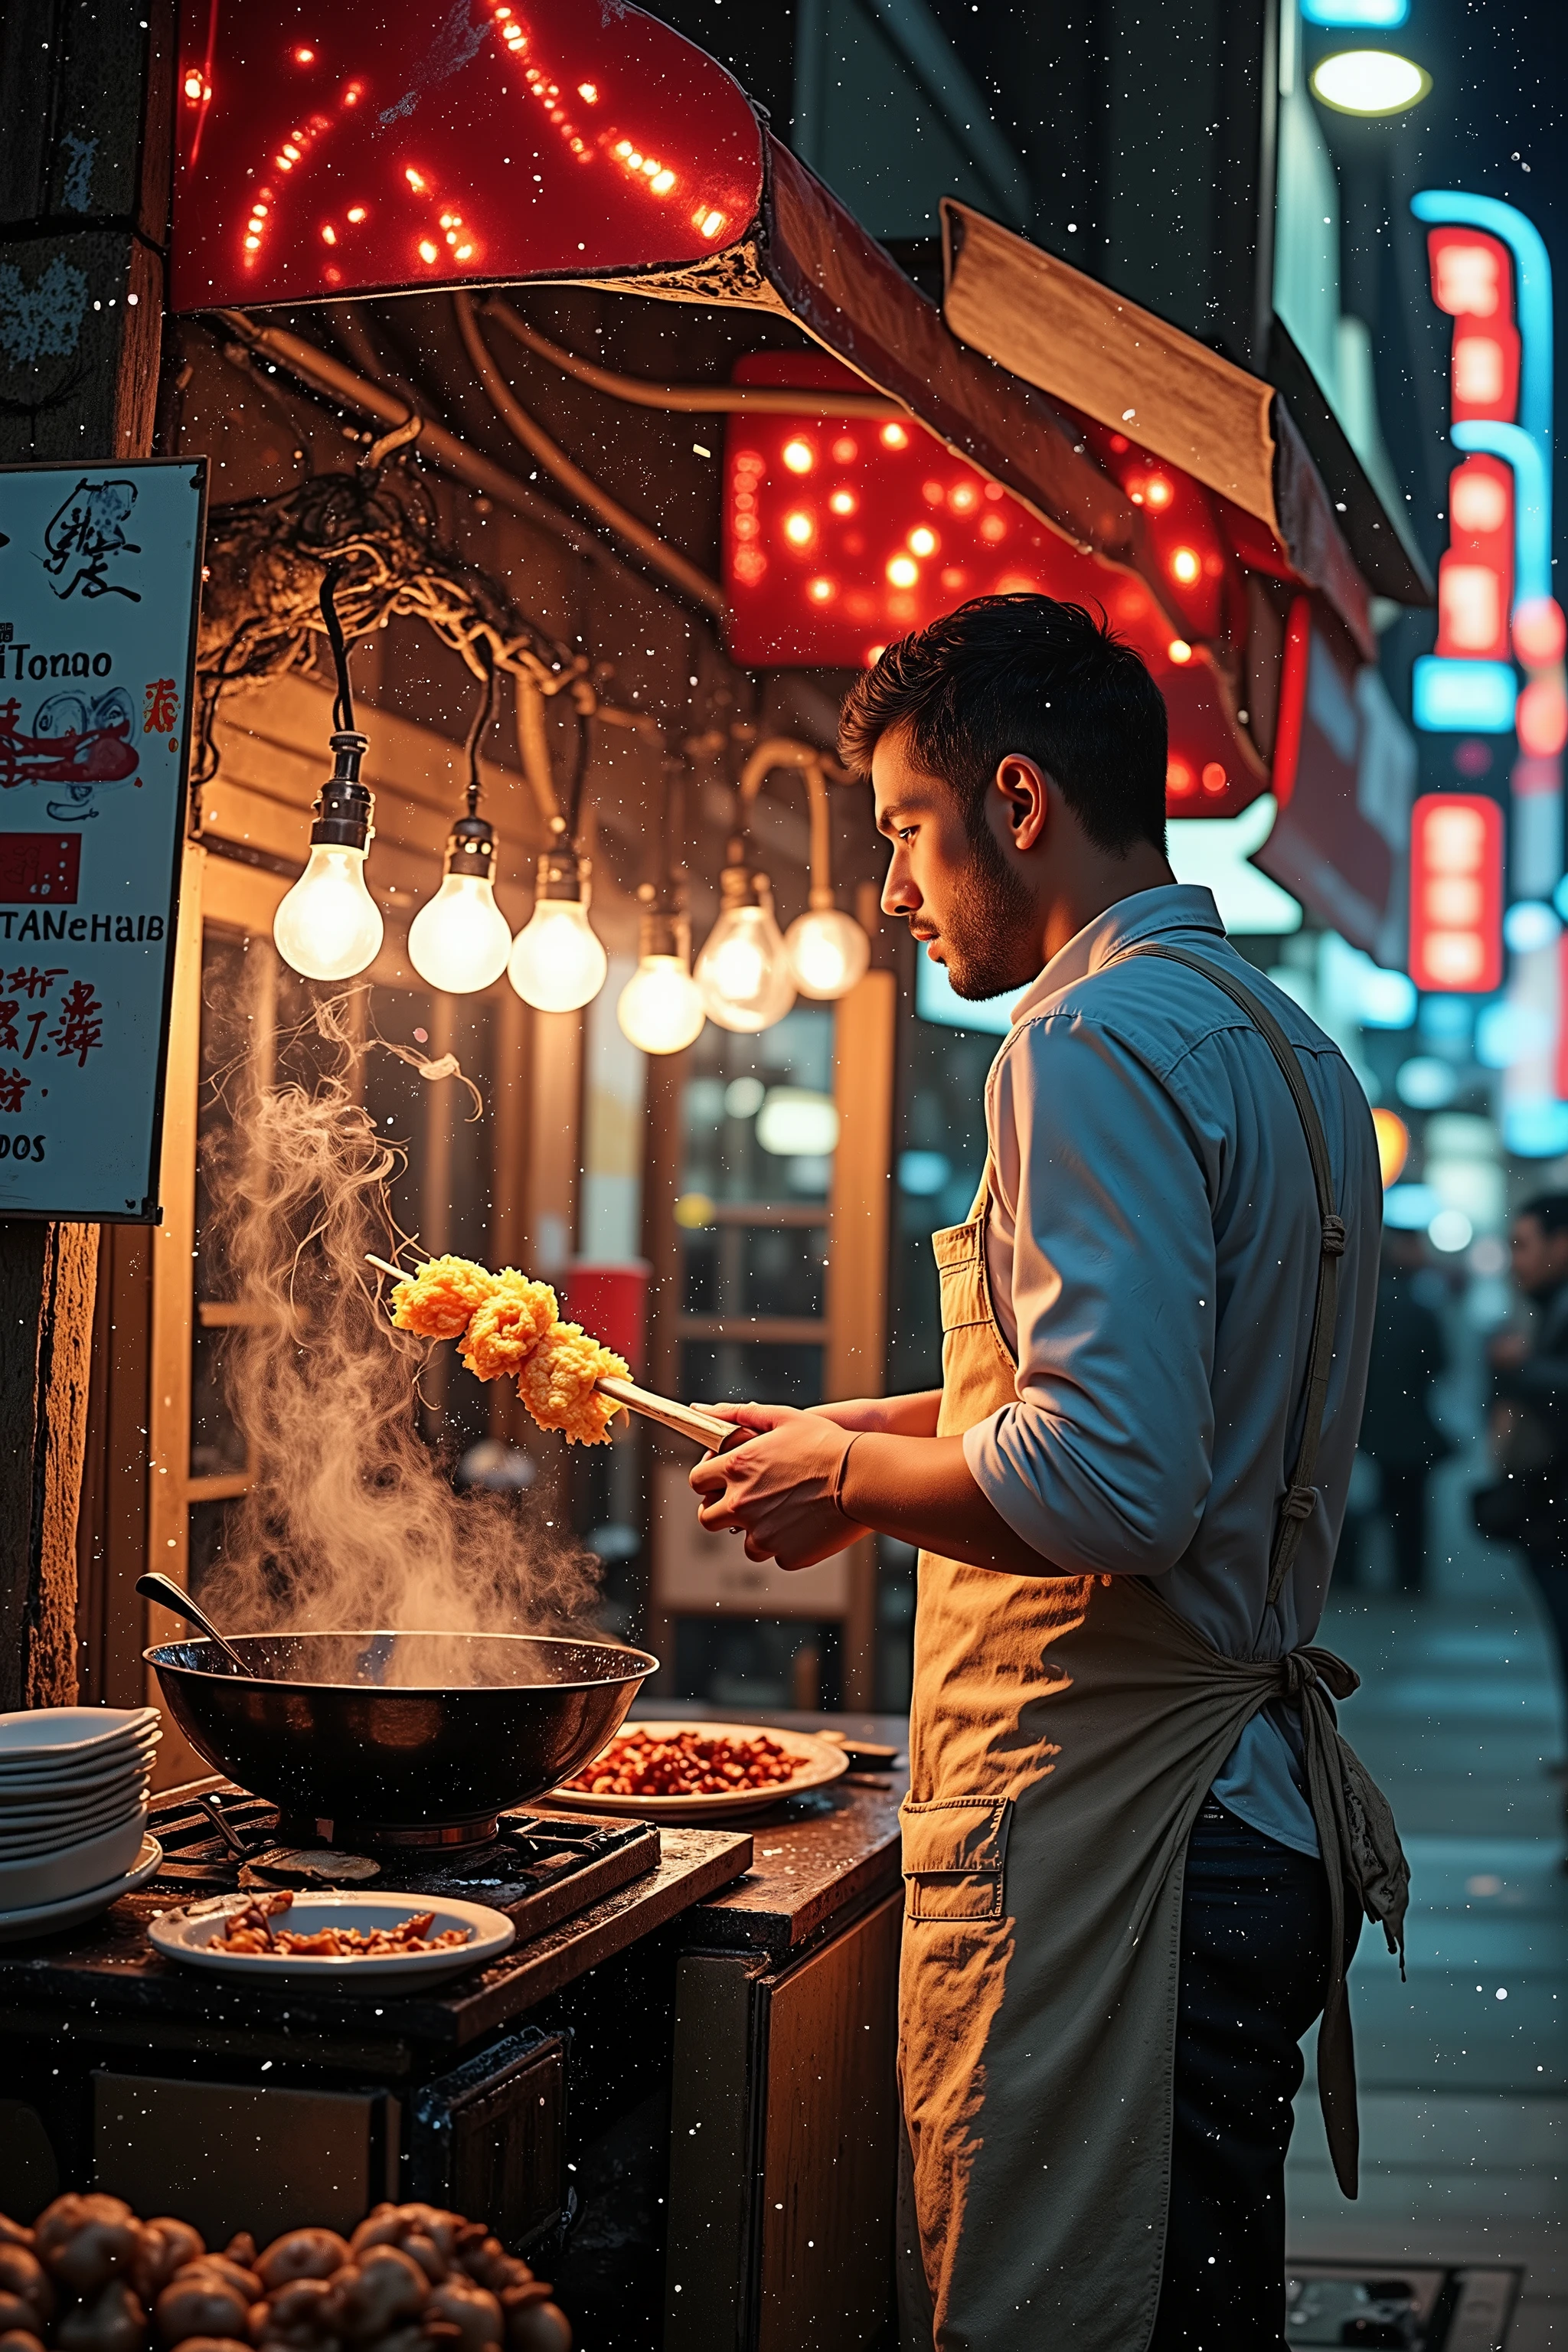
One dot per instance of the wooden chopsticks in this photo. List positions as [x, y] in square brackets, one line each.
[704, 1429]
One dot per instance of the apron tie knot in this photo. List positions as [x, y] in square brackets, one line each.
[1298, 1503]
[1333, 1236]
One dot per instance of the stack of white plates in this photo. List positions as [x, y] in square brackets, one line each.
[73, 1803]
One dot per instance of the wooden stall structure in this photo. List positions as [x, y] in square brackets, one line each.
[584, 438]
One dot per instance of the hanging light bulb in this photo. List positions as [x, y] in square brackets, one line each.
[744, 972]
[461, 941]
[557, 961]
[828, 950]
[328, 926]
[660, 1007]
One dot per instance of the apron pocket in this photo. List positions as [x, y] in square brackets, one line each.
[955, 1852]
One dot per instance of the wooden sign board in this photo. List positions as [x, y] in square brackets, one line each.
[99, 585]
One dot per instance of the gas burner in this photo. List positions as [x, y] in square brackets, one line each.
[537, 1867]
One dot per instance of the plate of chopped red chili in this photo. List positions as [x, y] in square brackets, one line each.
[340, 1938]
[696, 1771]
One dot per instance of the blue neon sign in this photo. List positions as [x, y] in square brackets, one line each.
[1363, 16]
[1463, 698]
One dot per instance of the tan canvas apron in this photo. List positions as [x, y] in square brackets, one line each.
[1063, 1735]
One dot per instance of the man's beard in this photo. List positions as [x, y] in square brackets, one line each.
[989, 904]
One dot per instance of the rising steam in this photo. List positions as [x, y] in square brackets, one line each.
[350, 1521]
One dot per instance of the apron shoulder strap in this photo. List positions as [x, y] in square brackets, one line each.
[1296, 1508]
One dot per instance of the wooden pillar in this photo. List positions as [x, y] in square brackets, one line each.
[663, 1155]
[864, 1037]
[48, 1276]
[86, 99]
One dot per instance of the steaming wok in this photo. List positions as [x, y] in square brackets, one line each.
[415, 1738]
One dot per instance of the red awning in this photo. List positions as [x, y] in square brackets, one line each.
[394, 152]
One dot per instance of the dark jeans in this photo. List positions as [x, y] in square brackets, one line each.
[1255, 1942]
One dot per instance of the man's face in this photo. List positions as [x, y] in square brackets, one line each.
[1540, 1258]
[959, 895]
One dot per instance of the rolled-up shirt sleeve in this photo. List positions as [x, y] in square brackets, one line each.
[1103, 1464]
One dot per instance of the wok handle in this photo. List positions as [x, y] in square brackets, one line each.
[705, 1429]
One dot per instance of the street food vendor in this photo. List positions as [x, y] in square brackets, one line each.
[1126, 1885]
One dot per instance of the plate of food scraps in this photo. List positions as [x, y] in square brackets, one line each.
[339, 1939]
[699, 1771]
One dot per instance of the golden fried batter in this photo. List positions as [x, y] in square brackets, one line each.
[441, 1297]
[505, 1330]
[556, 1384]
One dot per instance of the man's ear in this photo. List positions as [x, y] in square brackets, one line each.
[1023, 784]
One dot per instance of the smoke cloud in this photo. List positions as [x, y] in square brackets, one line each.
[351, 1522]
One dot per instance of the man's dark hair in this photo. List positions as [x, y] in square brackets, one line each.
[1550, 1211]
[1023, 674]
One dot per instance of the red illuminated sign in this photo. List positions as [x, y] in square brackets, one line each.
[401, 146]
[843, 533]
[1470, 280]
[1456, 893]
[1474, 575]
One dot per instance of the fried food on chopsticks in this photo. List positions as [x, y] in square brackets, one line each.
[511, 1327]
[438, 1300]
[504, 1331]
[556, 1384]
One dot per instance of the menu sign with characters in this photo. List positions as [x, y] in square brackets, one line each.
[99, 578]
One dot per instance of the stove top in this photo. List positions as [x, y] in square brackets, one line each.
[539, 1868]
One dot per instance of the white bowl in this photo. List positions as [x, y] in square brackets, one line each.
[74, 1829]
[38, 1807]
[23, 1791]
[186, 1935]
[68, 1733]
[51, 1919]
[50, 1876]
[73, 1765]
[78, 1762]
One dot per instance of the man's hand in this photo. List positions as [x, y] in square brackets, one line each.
[778, 1488]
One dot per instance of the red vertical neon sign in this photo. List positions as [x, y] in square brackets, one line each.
[1456, 893]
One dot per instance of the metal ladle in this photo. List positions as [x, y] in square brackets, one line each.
[154, 1586]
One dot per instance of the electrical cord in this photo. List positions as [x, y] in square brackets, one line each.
[694, 399]
[481, 721]
[343, 701]
[677, 569]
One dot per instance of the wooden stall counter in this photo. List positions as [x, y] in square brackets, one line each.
[783, 2111]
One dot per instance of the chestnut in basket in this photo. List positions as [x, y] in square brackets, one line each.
[383, 2290]
[304, 2314]
[165, 2246]
[471, 2310]
[84, 2242]
[110, 2321]
[24, 2277]
[300, 2253]
[18, 2339]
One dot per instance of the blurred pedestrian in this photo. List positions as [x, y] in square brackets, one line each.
[1527, 1504]
[1398, 1430]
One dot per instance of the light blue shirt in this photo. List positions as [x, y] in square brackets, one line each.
[1153, 1249]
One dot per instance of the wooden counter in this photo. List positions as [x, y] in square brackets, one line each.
[783, 2115]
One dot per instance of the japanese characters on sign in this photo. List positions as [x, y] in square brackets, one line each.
[99, 571]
